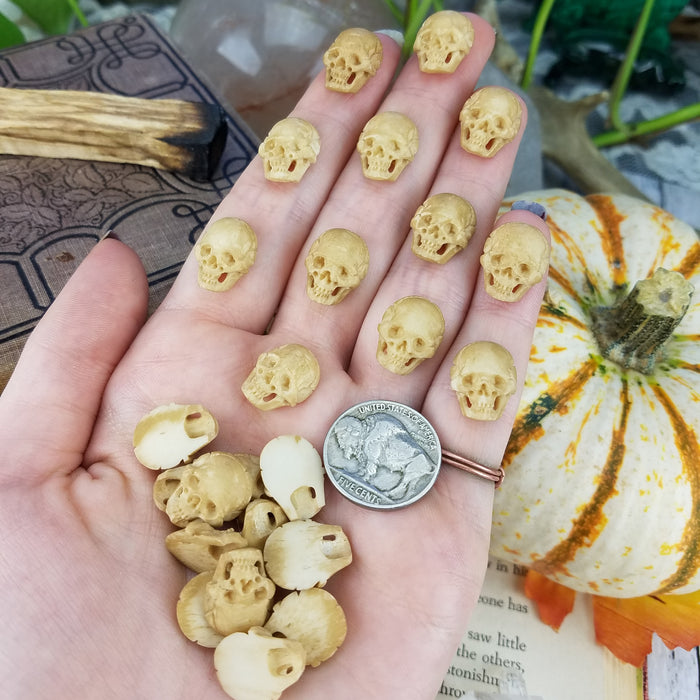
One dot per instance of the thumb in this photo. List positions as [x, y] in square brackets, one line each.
[49, 406]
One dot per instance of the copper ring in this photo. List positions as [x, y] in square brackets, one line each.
[469, 465]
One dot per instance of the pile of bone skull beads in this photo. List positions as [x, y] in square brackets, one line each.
[246, 530]
[262, 647]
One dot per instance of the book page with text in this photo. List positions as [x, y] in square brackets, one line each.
[507, 647]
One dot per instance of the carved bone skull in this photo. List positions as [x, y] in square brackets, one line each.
[483, 376]
[256, 665]
[302, 554]
[337, 262]
[443, 40]
[314, 618]
[410, 331]
[289, 149]
[387, 144]
[284, 376]
[198, 545]
[225, 252]
[442, 226]
[352, 59]
[170, 434]
[215, 488]
[239, 594]
[515, 257]
[489, 120]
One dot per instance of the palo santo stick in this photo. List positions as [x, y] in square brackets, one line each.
[176, 135]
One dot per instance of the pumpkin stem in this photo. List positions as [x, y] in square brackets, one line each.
[633, 332]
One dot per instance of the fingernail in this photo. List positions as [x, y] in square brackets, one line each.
[111, 234]
[394, 34]
[535, 207]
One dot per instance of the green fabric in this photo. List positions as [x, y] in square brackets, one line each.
[613, 21]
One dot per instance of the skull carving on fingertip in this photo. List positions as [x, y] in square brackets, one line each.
[289, 149]
[443, 40]
[489, 120]
[442, 226]
[387, 144]
[337, 262]
[410, 332]
[352, 59]
[515, 258]
[225, 252]
[483, 376]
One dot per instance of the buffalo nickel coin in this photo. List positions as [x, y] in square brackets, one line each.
[382, 454]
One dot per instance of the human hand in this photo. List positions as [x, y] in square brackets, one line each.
[88, 589]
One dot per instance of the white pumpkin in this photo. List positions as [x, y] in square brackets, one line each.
[602, 485]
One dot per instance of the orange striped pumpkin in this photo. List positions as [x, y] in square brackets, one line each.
[602, 486]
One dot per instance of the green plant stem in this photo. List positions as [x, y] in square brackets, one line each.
[416, 12]
[394, 9]
[411, 18]
[648, 127]
[537, 32]
[73, 4]
[619, 86]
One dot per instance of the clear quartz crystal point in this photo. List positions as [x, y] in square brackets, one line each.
[260, 56]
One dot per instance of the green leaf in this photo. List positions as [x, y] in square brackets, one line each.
[51, 16]
[10, 34]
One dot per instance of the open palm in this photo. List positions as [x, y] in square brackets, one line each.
[88, 589]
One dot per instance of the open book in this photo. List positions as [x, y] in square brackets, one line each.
[53, 211]
[508, 652]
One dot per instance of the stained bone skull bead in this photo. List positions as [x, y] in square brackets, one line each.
[483, 376]
[515, 257]
[215, 488]
[256, 665]
[387, 144]
[443, 40]
[170, 434]
[489, 120]
[410, 332]
[352, 59]
[442, 226]
[225, 252]
[198, 545]
[337, 262]
[239, 594]
[284, 376]
[289, 149]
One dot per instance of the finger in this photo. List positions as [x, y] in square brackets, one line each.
[510, 324]
[48, 408]
[281, 214]
[482, 182]
[380, 211]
